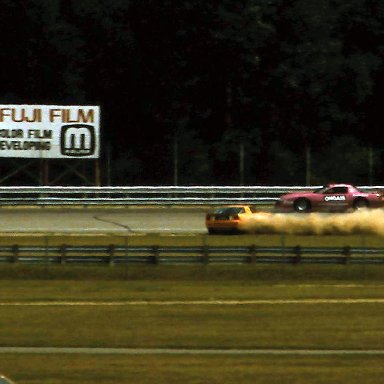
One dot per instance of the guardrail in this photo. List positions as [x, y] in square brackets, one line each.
[144, 195]
[113, 255]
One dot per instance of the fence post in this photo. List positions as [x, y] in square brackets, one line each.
[63, 251]
[111, 254]
[282, 242]
[15, 253]
[205, 254]
[346, 252]
[252, 254]
[297, 254]
[154, 258]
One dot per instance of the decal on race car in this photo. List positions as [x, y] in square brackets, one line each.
[334, 198]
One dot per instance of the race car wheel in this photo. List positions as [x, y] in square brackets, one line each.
[302, 205]
[360, 203]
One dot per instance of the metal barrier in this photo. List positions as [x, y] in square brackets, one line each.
[116, 254]
[144, 195]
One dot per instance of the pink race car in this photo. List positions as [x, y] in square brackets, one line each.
[332, 198]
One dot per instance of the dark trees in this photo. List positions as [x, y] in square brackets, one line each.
[244, 91]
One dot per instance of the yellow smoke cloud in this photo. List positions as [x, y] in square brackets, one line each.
[362, 221]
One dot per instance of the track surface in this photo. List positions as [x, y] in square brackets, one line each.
[103, 220]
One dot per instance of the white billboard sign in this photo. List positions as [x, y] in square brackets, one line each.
[50, 131]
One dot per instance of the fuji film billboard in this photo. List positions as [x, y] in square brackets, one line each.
[50, 131]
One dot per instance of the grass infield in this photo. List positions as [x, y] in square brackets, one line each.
[337, 324]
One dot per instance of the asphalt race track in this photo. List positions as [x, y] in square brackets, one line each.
[103, 220]
[177, 220]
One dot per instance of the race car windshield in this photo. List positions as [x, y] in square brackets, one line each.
[321, 190]
[331, 190]
[229, 211]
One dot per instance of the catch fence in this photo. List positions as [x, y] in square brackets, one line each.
[149, 195]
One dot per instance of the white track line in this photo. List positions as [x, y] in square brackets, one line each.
[188, 351]
[195, 302]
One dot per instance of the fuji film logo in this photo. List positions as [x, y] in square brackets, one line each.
[77, 140]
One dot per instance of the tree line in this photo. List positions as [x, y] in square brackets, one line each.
[220, 92]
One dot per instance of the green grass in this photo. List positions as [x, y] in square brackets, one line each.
[152, 369]
[251, 326]
[194, 240]
[317, 326]
[245, 273]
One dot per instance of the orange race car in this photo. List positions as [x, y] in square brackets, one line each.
[228, 219]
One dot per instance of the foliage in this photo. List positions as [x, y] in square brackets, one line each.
[282, 75]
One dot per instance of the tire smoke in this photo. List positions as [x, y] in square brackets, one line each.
[363, 221]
